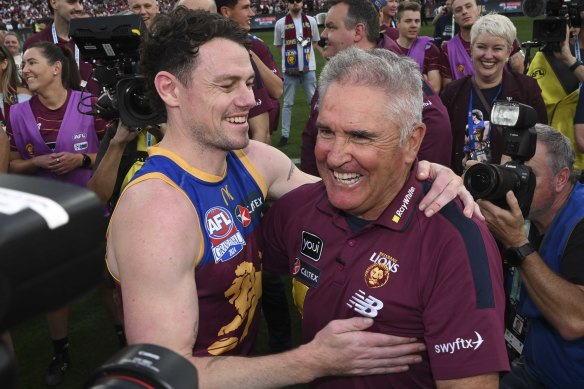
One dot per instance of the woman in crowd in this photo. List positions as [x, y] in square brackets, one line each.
[11, 92]
[492, 39]
[50, 138]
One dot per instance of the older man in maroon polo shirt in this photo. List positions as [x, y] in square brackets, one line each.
[357, 245]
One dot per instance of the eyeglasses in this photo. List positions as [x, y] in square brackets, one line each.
[294, 1]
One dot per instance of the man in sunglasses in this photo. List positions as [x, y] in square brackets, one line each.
[295, 34]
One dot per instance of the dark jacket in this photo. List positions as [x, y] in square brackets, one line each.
[456, 97]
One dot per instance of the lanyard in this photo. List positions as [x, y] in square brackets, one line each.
[56, 41]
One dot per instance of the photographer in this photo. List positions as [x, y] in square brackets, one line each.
[559, 74]
[548, 265]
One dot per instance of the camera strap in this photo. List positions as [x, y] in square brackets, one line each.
[484, 101]
[567, 80]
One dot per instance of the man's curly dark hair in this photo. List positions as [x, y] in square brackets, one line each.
[173, 45]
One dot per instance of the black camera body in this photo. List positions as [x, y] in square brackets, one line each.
[492, 182]
[550, 32]
[111, 44]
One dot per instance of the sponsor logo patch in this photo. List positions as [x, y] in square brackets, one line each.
[306, 273]
[226, 240]
[367, 306]
[243, 215]
[459, 344]
[80, 146]
[376, 275]
[404, 206]
[311, 246]
[80, 136]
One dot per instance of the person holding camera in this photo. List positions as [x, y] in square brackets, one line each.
[560, 75]
[444, 25]
[189, 268]
[492, 38]
[547, 274]
[50, 138]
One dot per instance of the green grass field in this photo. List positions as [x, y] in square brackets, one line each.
[91, 331]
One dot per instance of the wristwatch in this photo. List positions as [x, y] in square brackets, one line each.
[86, 164]
[575, 65]
[515, 256]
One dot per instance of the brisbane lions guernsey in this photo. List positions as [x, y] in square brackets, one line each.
[436, 279]
[228, 269]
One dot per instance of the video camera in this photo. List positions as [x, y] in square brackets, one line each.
[492, 182]
[111, 44]
[550, 32]
[51, 240]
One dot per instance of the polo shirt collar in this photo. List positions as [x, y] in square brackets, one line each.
[399, 212]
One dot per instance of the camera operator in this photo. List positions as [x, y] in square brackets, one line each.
[548, 265]
[559, 74]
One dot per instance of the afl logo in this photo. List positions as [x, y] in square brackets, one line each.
[219, 223]
[538, 73]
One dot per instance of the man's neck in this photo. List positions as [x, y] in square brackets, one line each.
[295, 14]
[405, 42]
[179, 140]
[465, 34]
[62, 27]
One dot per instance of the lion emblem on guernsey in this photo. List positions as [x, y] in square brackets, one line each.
[244, 295]
[460, 68]
[377, 275]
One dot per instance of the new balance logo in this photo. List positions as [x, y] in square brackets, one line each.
[367, 306]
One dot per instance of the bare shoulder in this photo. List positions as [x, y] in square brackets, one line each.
[152, 221]
[277, 169]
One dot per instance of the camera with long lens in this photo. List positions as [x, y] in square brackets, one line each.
[51, 240]
[111, 44]
[492, 182]
[550, 32]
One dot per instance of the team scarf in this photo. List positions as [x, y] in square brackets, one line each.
[291, 45]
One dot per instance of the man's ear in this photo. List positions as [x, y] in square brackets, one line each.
[225, 11]
[414, 141]
[562, 179]
[166, 86]
[360, 33]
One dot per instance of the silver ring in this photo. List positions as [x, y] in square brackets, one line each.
[58, 160]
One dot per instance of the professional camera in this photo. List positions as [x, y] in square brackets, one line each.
[550, 32]
[491, 182]
[51, 240]
[111, 43]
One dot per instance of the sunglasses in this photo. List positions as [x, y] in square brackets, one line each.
[294, 1]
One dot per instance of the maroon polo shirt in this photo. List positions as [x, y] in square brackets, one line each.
[263, 52]
[436, 279]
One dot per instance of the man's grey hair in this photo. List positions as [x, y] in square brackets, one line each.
[495, 25]
[560, 153]
[398, 77]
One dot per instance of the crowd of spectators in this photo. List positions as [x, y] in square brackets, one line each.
[20, 14]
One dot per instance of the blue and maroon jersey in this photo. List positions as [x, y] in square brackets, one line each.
[436, 279]
[228, 268]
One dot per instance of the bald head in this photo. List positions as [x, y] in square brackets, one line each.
[206, 5]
